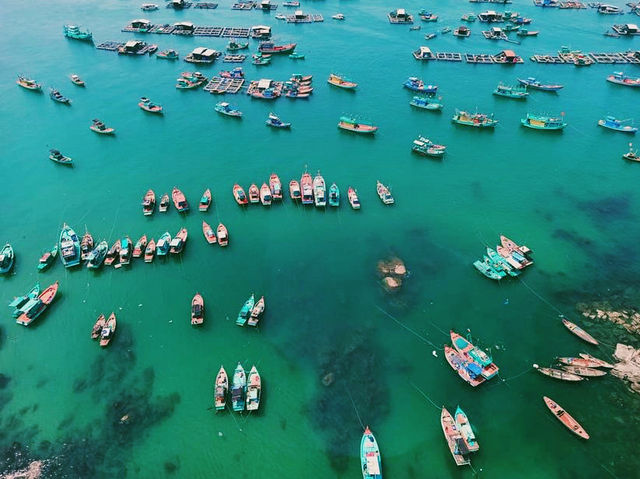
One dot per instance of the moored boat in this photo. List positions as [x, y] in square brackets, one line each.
[98, 255]
[612, 123]
[179, 200]
[20, 301]
[271, 48]
[148, 203]
[7, 258]
[540, 122]
[86, 245]
[416, 84]
[384, 193]
[140, 246]
[223, 235]
[351, 124]
[579, 362]
[37, 306]
[69, 247]
[468, 370]
[221, 389]
[334, 195]
[169, 54]
[126, 250]
[74, 32]
[239, 195]
[426, 147]
[464, 427]
[275, 122]
[48, 258]
[565, 418]
[487, 268]
[58, 157]
[245, 311]
[197, 310]
[164, 203]
[99, 127]
[578, 331]
[150, 251]
[294, 190]
[265, 195]
[354, 201]
[426, 103]
[621, 79]
[517, 92]
[475, 354]
[113, 253]
[455, 442]
[55, 95]
[254, 193]
[600, 363]
[97, 327]
[306, 182]
[205, 200]
[478, 120]
[531, 82]
[558, 374]
[370, 460]
[296, 56]
[254, 390]
[584, 372]
[163, 244]
[76, 80]
[234, 45]
[631, 155]
[28, 83]
[109, 329]
[275, 186]
[500, 263]
[238, 388]
[256, 312]
[225, 108]
[148, 105]
[319, 191]
[208, 233]
[176, 245]
[341, 82]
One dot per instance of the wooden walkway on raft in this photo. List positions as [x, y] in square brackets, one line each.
[219, 85]
[198, 31]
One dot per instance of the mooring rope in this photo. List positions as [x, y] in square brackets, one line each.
[354, 407]
[409, 329]
[439, 408]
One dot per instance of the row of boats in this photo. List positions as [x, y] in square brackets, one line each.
[246, 393]
[575, 369]
[508, 258]
[250, 313]
[28, 307]
[471, 363]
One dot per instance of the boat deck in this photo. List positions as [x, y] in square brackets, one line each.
[234, 58]
[219, 85]
[308, 18]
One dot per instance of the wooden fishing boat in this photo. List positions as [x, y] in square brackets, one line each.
[334, 195]
[256, 312]
[205, 200]
[384, 193]
[341, 82]
[275, 185]
[221, 389]
[69, 247]
[351, 124]
[150, 251]
[223, 235]
[370, 460]
[148, 203]
[86, 245]
[468, 17]
[620, 78]
[477, 120]
[578, 331]
[424, 146]
[600, 363]
[631, 155]
[475, 354]
[579, 362]
[58, 157]
[245, 311]
[76, 80]
[558, 374]
[271, 48]
[469, 371]
[176, 245]
[516, 92]
[238, 388]
[239, 195]
[149, 106]
[513, 247]
[37, 306]
[225, 108]
[20, 301]
[254, 193]
[462, 31]
[565, 418]
[416, 84]
[254, 390]
[236, 72]
[524, 32]
[427, 16]
[148, 7]
[179, 200]
[265, 194]
[164, 203]
[275, 122]
[56, 96]
[426, 103]
[456, 443]
[294, 190]
[48, 258]
[126, 250]
[98, 255]
[99, 127]
[74, 32]
[464, 427]
[487, 268]
[319, 190]
[306, 182]
[612, 123]
[197, 310]
[7, 258]
[113, 253]
[540, 122]
[261, 60]
[234, 45]
[28, 83]
[97, 327]
[163, 244]
[109, 329]
[354, 201]
[208, 232]
[531, 82]
[585, 372]
[140, 246]
[500, 263]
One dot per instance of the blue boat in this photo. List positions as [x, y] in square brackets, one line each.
[163, 244]
[69, 247]
[370, 460]
[225, 108]
[238, 388]
[245, 311]
[334, 195]
[613, 123]
[276, 122]
[55, 95]
[19, 301]
[415, 84]
[425, 103]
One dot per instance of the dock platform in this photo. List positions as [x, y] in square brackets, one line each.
[449, 57]
[482, 58]
[243, 6]
[109, 46]
[308, 18]
[234, 58]
[206, 5]
[198, 31]
[219, 85]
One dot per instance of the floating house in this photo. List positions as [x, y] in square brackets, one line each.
[494, 33]
[262, 32]
[183, 28]
[491, 17]
[424, 53]
[626, 29]
[266, 5]
[177, 4]
[202, 55]
[507, 57]
[400, 16]
[132, 47]
[141, 24]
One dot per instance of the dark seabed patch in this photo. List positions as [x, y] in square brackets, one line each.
[607, 209]
[4, 380]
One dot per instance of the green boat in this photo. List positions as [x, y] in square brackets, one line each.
[334, 195]
[233, 46]
[424, 146]
[20, 301]
[477, 120]
[97, 256]
[6, 259]
[296, 56]
[74, 32]
[168, 55]
[426, 103]
[517, 92]
[501, 263]
[486, 267]
[464, 426]
[69, 247]
[244, 313]
[543, 122]
[510, 27]
[48, 258]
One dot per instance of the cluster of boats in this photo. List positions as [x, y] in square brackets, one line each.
[424, 146]
[104, 329]
[575, 369]
[508, 258]
[471, 363]
[459, 434]
[251, 312]
[29, 307]
[179, 201]
[245, 393]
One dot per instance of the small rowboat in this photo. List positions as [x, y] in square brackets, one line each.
[275, 186]
[140, 246]
[164, 203]
[370, 460]
[205, 201]
[565, 418]
[179, 200]
[256, 312]
[245, 311]
[97, 327]
[456, 443]
[239, 195]
[599, 362]
[7, 258]
[558, 374]
[294, 190]
[467, 370]
[108, 331]
[197, 310]
[254, 389]
[99, 127]
[265, 194]
[341, 82]
[148, 203]
[254, 193]
[58, 157]
[29, 84]
[48, 258]
[209, 235]
[150, 251]
[354, 201]
[76, 80]
[585, 372]
[39, 305]
[581, 333]
[148, 105]
[221, 389]
[55, 95]
[223, 235]
[86, 246]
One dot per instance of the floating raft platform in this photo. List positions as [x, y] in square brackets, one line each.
[183, 6]
[449, 57]
[306, 18]
[489, 35]
[603, 58]
[198, 31]
[234, 58]
[243, 6]
[206, 6]
[109, 46]
[219, 85]
[255, 86]
[478, 58]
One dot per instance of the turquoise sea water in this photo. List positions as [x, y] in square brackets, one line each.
[568, 196]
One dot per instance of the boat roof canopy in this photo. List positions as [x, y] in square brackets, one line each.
[132, 43]
[509, 53]
[183, 24]
[264, 83]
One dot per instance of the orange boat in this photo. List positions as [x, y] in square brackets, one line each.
[600, 362]
[456, 443]
[467, 370]
[254, 194]
[205, 201]
[209, 235]
[97, 328]
[351, 124]
[256, 312]
[306, 182]
[239, 195]
[580, 362]
[578, 331]
[178, 242]
[108, 331]
[148, 203]
[294, 190]
[558, 374]
[265, 194]
[223, 235]
[512, 246]
[164, 203]
[179, 200]
[275, 186]
[338, 81]
[150, 251]
[113, 253]
[44, 300]
[197, 310]
[565, 418]
[141, 244]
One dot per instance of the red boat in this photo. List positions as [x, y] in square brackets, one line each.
[209, 235]
[178, 242]
[254, 194]
[108, 331]
[223, 235]
[148, 203]
[270, 48]
[113, 253]
[462, 367]
[294, 190]
[197, 310]
[239, 195]
[149, 251]
[565, 418]
[205, 201]
[307, 189]
[179, 200]
[276, 186]
[265, 194]
[44, 300]
[97, 328]
[140, 246]
[256, 312]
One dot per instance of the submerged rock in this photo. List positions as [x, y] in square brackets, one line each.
[392, 271]
[628, 368]
[628, 318]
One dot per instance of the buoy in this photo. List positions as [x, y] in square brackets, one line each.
[435, 354]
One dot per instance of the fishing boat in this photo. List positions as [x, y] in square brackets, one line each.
[612, 123]
[140, 246]
[565, 418]
[524, 32]
[274, 121]
[176, 245]
[584, 372]
[239, 195]
[76, 80]
[338, 16]
[225, 109]
[148, 203]
[86, 245]
[208, 232]
[20, 301]
[478, 120]
[113, 253]
[37, 306]
[307, 189]
[334, 195]
[164, 203]
[148, 105]
[351, 124]
[426, 16]
[179, 200]
[475, 354]
[98, 255]
[540, 122]
[446, 30]
[579, 362]
[454, 438]
[74, 32]
[370, 460]
[265, 195]
[109, 329]
[28, 83]
[245, 311]
[319, 191]
[513, 247]
[205, 200]
[126, 252]
[148, 7]
[261, 60]
[631, 155]
[234, 45]
[620, 78]
[341, 82]
[197, 310]
[99, 127]
[464, 427]
[97, 327]
[48, 258]
[516, 92]
[600, 363]
[7, 257]
[415, 84]
[354, 201]
[424, 146]
[501, 263]
[426, 103]
[256, 312]
[254, 193]
[531, 82]
[163, 244]
[486, 267]
[469, 17]
[558, 374]
[254, 390]
[294, 190]
[223, 235]
[468, 370]
[69, 247]
[150, 251]
[275, 186]
[221, 389]
[578, 331]
[384, 193]
[55, 95]
[169, 54]
[430, 36]
[58, 157]
[271, 48]
[238, 387]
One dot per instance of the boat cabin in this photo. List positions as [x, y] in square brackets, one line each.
[183, 28]
[177, 4]
[507, 57]
[491, 16]
[400, 16]
[263, 84]
[626, 29]
[141, 24]
[267, 6]
[424, 53]
[261, 32]
[133, 46]
[299, 14]
[202, 54]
